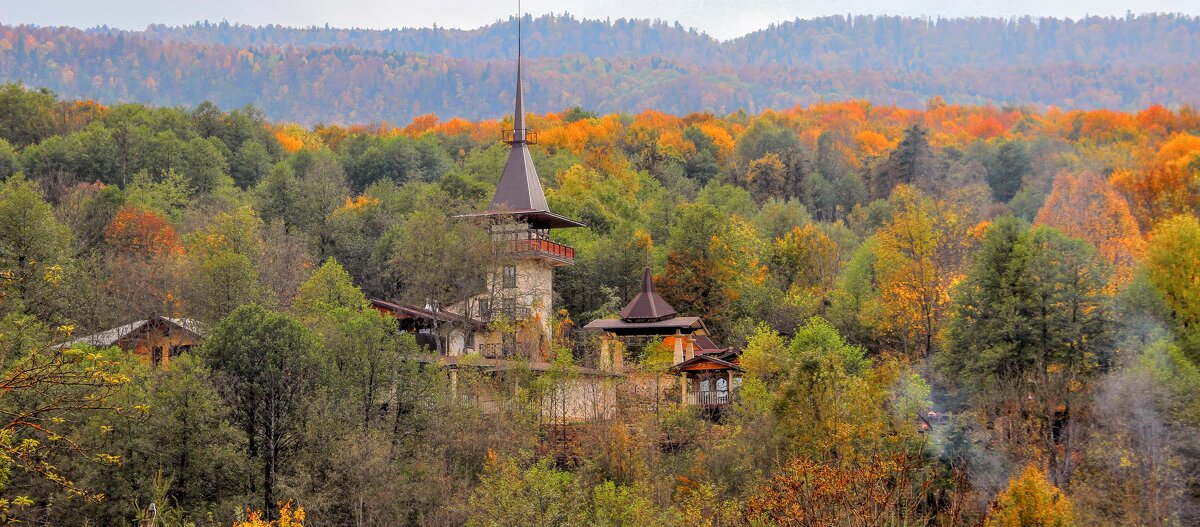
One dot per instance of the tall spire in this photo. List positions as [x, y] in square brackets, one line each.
[519, 191]
[519, 112]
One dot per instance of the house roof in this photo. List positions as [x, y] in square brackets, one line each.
[706, 345]
[698, 359]
[519, 187]
[658, 327]
[649, 314]
[648, 305]
[541, 219]
[410, 311]
[111, 337]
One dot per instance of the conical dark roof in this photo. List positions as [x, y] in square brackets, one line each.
[519, 192]
[647, 306]
[519, 189]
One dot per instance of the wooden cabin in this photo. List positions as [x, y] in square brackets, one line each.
[440, 331]
[155, 340]
[709, 382]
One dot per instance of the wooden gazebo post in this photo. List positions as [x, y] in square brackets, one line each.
[683, 389]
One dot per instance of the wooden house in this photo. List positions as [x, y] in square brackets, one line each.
[156, 340]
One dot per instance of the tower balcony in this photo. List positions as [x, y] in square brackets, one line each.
[509, 135]
[542, 248]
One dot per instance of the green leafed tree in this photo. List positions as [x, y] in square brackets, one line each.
[34, 252]
[1173, 267]
[330, 287]
[268, 366]
[250, 163]
[1030, 325]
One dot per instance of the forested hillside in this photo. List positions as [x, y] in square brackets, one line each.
[1029, 276]
[617, 66]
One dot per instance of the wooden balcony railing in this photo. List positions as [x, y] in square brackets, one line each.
[709, 398]
[543, 247]
[509, 351]
[509, 135]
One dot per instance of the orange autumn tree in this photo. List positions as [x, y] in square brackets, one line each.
[1169, 186]
[137, 232]
[881, 490]
[873, 144]
[1031, 501]
[421, 124]
[1086, 206]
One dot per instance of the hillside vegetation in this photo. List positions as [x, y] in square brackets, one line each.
[1031, 276]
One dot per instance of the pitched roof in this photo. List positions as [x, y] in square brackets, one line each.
[411, 311]
[705, 358]
[706, 345]
[519, 188]
[659, 327]
[647, 306]
[111, 337]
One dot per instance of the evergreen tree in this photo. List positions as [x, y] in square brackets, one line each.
[911, 162]
[1007, 172]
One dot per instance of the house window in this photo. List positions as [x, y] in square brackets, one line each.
[508, 306]
[510, 277]
[485, 309]
[176, 350]
[156, 355]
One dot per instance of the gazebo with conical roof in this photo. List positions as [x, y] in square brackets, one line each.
[650, 315]
[708, 374]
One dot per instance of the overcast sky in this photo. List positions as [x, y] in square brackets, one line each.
[720, 18]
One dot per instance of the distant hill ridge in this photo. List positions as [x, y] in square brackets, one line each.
[832, 41]
[359, 75]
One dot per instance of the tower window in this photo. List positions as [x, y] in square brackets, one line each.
[510, 277]
[508, 306]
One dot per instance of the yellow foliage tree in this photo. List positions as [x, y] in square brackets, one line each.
[920, 255]
[1173, 266]
[1031, 501]
[806, 259]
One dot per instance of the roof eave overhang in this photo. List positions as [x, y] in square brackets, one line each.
[538, 218]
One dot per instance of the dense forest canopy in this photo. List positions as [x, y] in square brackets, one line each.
[617, 66]
[1028, 274]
